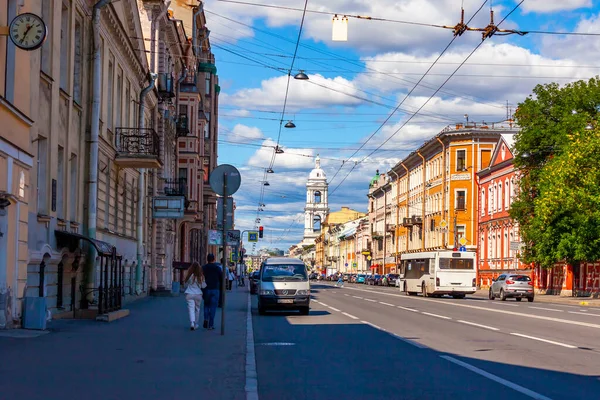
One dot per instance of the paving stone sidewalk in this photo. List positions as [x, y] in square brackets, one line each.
[151, 354]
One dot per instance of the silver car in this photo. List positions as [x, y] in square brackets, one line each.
[512, 285]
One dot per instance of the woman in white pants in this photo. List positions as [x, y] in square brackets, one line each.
[193, 293]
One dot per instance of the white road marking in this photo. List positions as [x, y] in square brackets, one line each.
[323, 304]
[511, 313]
[316, 301]
[251, 374]
[407, 309]
[544, 340]
[357, 297]
[478, 325]
[583, 310]
[334, 309]
[497, 379]
[386, 304]
[546, 309]
[373, 325]
[346, 294]
[503, 304]
[349, 315]
[371, 300]
[583, 313]
[435, 315]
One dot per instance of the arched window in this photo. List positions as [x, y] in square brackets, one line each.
[317, 197]
[317, 223]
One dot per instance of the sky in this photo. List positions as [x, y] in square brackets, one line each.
[382, 91]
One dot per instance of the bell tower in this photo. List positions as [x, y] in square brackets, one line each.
[317, 203]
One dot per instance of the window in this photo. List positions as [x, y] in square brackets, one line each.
[461, 157]
[60, 184]
[21, 184]
[78, 62]
[207, 83]
[64, 47]
[482, 202]
[207, 126]
[42, 176]
[461, 200]
[46, 52]
[73, 188]
[500, 195]
[317, 196]
[456, 263]
[432, 225]
[506, 194]
[317, 223]
[460, 231]
[110, 104]
[127, 104]
[183, 173]
[118, 121]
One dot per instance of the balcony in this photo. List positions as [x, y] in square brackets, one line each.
[414, 220]
[165, 86]
[176, 187]
[137, 148]
[182, 125]
[390, 227]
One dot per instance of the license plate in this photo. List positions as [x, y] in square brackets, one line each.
[285, 300]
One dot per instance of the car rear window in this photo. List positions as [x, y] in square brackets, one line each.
[520, 278]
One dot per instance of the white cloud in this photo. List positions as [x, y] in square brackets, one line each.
[291, 159]
[550, 6]
[301, 95]
[583, 49]
[245, 134]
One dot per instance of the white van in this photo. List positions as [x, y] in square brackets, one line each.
[283, 285]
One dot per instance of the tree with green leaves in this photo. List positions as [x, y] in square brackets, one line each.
[558, 157]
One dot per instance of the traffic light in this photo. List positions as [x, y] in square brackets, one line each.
[260, 232]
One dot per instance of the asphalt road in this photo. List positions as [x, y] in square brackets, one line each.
[363, 342]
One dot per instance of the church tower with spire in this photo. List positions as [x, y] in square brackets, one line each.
[317, 205]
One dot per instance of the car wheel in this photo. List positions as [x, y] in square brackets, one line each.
[304, 310]
[518, 299]
[530, 299]
[502, 295]
[491, 295]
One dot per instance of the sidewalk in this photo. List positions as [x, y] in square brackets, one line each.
[555, 299]
[151, 354]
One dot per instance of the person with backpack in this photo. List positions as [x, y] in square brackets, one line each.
[213, 275]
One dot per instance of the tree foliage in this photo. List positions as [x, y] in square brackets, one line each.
[558, 156]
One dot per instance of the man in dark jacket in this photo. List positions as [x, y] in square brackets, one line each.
[214, 279]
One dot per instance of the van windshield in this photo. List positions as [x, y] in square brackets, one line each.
[284, 272]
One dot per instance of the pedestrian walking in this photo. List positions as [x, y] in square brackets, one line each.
[340, 281]
[230, 279]
[214, 279]
[195, 282]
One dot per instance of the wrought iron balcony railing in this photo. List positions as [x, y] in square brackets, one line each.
[137, 148]
[176, 187]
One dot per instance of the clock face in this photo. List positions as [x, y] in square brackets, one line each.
[28, 31]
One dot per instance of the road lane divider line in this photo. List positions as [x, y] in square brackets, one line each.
[386, 304]
[349, 315]
[346, 294]
[478, 325]
[323, 304]
[316, 301]
[371, 300]
[358, 297]
[435, 315]
[503, 304]
[497, 379]
[569, 346]
[251, 386]
[334, 309]
[584, 313]
[511, 313]
[407, 309]
[546, 309]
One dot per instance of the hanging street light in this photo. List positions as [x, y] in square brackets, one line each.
[267, 183]
[278, 150]
[270, 171]
[301, 76]
[290, 124]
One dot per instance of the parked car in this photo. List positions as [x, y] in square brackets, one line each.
[390, 279]
[314, 276]
[254, 277]
[512, 285]
[360, 278]
[373, 279]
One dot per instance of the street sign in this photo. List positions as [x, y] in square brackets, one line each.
[516, 246]
[253, 236]
[217, 178]
[171, 207]
[462, 248]
[462, 241]
[215, 237]
[346, 264]
[220, 207]
[443, 224]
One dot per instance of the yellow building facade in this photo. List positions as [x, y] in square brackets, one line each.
[436, 189]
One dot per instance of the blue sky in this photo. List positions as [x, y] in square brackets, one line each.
[355, 85]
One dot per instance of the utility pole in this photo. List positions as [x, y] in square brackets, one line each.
[455, 234]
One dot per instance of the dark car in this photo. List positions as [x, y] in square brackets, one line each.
[314, 276]
[391, 279]
[373, 279]
[254, 277]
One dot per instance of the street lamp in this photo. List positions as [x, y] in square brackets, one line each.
[301, 76]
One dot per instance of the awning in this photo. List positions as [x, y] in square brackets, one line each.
[71, 240]
[207, 67]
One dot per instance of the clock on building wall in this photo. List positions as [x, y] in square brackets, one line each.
[28, 31]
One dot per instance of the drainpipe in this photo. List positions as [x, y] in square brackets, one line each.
[443, 188]
[154, 67]
[397, 215]
[424, 201]
[198, 11]
[407, 202]
[94, 135]
[141, 192]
